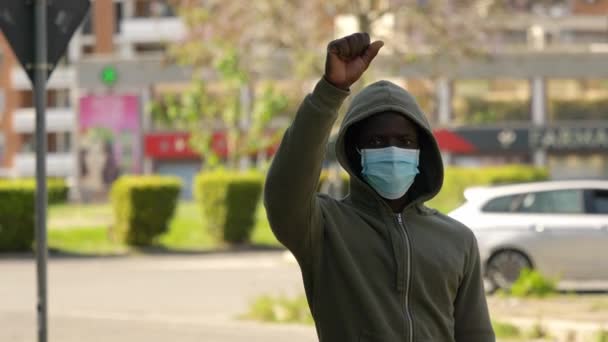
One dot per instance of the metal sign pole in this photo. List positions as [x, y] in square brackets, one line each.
[40, 76]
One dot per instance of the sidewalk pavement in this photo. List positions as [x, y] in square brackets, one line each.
[559, 329]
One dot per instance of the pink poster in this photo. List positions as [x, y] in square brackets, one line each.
[109, 139]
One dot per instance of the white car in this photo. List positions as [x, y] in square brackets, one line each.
[559, 228]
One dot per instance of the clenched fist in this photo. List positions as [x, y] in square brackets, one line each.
[348, 57]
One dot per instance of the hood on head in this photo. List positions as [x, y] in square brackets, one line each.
[385, 96]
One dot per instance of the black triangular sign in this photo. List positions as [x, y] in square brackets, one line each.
[17, 24]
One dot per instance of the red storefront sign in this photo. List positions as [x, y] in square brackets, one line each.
[177, 145]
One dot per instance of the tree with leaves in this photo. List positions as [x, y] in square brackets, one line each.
[240, 46]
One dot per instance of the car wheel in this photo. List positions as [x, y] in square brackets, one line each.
[504, 268]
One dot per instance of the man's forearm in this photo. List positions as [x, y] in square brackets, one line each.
[294, 173]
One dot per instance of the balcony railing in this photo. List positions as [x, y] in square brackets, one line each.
[58, 120]
[58, 165]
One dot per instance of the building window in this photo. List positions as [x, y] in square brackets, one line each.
[479, 102]
[59, 98]
[577, 99]
[64, 142]
[56, 98]
[118, 14]
[28, 143]
[56, 142]
[87, 25]
[154, 8]
[88, 50]
[584, 37]
[150, 48]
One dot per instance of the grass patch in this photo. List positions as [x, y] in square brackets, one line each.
[80, 215]
[186, 230]
[506, 330]
[280, 309]
[601, 336]
[599, 306]
[262, 234]
[87, 240]
[533, 284]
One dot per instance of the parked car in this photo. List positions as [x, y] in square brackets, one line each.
[559, 228]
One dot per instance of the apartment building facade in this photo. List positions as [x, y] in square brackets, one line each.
[116, 36]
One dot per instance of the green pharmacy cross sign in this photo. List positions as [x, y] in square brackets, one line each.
[109, 75]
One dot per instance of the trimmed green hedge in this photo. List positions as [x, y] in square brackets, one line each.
[143, 207]
[344, 177]
[229, 201]
[16, 215]
[457, 179]
[57, 188]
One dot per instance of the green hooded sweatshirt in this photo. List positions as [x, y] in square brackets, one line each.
[371, 274]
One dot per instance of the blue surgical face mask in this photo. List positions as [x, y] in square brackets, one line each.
[390, 170]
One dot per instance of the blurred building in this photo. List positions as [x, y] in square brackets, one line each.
[97, 96]
[539, 97]
[542, 97]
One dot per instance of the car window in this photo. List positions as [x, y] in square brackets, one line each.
[598, 202]
[503, 204]
[555, 202]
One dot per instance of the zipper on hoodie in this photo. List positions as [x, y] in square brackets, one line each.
[408, 313]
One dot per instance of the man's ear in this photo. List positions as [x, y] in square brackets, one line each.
[350, 147]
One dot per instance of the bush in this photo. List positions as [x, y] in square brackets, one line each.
[457, 179]
[532, 284]
[506, 330]
[57, 188]
[280, 309]
[345, 178]
[229, 201]
[601, 336]
[143, 207]
[58, 191]
[16, 215]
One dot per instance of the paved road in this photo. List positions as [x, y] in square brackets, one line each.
[149, 298]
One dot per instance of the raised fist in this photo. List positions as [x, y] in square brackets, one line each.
[348, 57]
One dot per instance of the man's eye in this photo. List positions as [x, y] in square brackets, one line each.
[408, 142]
[376, 141]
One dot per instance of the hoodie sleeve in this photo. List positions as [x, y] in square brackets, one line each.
[470, 308]
[290, 190]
